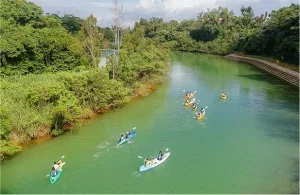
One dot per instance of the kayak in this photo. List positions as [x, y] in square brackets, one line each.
[189, 96]
[59, 172]
[131, 135]
[155, 162]
[202, 115]
[223, 97]
[189, 103]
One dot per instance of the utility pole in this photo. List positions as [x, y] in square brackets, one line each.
[117, 9]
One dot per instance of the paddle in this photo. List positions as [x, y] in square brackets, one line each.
[60, 158]
[185, 91]
[197, 112]
[165, 151]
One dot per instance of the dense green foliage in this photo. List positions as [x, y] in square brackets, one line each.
[35, 43]
[139, 60]
[219, 31]
[50, 77]
[278, 37]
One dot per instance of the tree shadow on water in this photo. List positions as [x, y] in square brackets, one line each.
[262, 76]
[280, 89]
[5, 191]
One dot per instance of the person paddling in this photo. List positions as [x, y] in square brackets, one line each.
[160, 155]
[194, 105]
[53, 172]
[121, 138]
[147, 162]
[56, 165]
[200, 112]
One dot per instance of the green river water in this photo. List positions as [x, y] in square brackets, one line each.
[247, 143]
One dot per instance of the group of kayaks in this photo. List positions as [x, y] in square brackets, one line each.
[191, 101]
[150, 163]
[145, 167]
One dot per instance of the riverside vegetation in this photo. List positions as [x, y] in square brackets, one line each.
[50, 77]
[220, 31]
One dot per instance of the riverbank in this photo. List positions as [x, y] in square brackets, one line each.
[37, 107]
[289, 76]
[144, 90]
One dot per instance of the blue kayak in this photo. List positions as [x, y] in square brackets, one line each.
[131, 135]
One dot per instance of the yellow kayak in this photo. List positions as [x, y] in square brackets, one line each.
[223, 97]
[190, 96]
[201, 116]
[189, 103]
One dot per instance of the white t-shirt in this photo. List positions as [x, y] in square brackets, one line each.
[56, 166]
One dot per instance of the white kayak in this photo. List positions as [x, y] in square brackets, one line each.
[155, 162]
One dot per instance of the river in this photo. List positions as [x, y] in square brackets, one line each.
[247, 143]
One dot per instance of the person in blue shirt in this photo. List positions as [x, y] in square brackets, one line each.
[160, 155]
[53, 172]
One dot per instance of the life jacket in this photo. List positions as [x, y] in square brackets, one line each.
[53, 173]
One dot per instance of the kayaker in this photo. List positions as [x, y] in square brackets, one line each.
[160, 155]
[223, 94]
[194, 105]
[53, 172]
[55, 166]
[201, 110]
[121, 138]
[127, 135]
[147, 161]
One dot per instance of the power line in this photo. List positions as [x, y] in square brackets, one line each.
[118, 17]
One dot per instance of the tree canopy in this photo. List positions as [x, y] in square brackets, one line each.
[220, 31]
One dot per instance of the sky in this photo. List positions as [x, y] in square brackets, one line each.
[133, 10]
